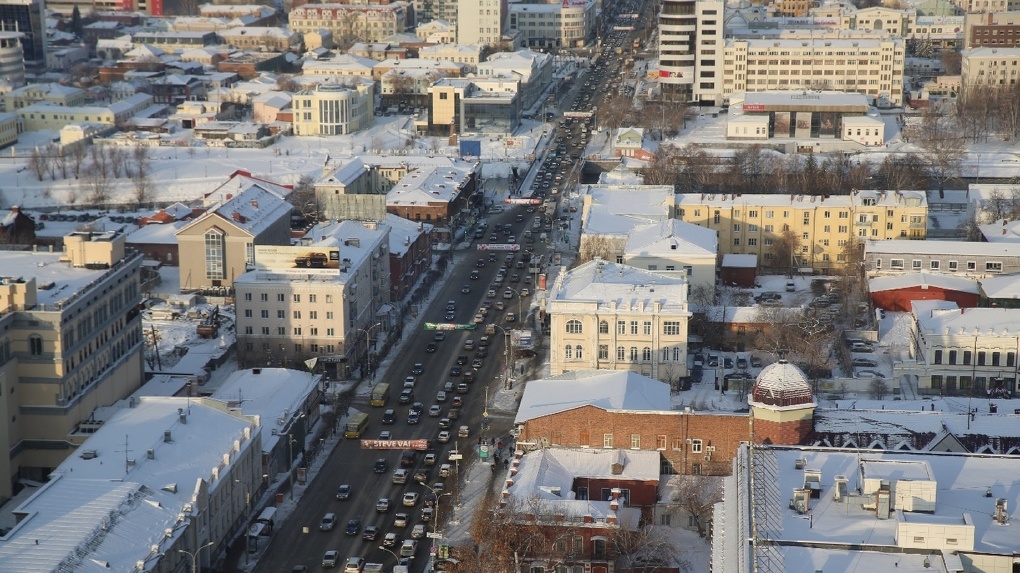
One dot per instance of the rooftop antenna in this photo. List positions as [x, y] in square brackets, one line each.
[127, 458]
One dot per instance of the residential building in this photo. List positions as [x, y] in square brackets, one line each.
[262, 38]
[690, 50]
[741, 328]
[28, 18]
[370, 23]
[992, 29]
[673, 248]
[71, 342]
[16, 227]
[963, 351]
[51, 93]
[474, 105]
[406, 87]
[820, 499]
[989, 66]
[219, 246]
[441, 196]
[173, 41]
[44, 115]
[158, 242]
[606, 409]
[751, 224]
[410, 254]
[378, 51]
[534, 69]
[261, 15]
[439, 31]
[813, 63]
[555, 25]
[293, 307]
[963, 258]
[157, 484]
[441, 68]
[1001, 292]
[334, 109]
[344, 65]
[467, 54]
[9, 128]
[479, 21]
[611, 316]
[896, 292]
[972, 6]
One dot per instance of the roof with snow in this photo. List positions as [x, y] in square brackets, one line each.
[617, 209]
[403, 232]
[923, 280]
[945, 318]
[736, 261]
[276, 395]
[898, 429]
[614, 284]
[1001, 287]
[605, 389]
[1001, 231]
[65, 282]
[156, 234]
[781, 385]
[671, 237]
[345, 174]
[543, 481]
[428, 186]
[254, 208]
[962, 248]
[620, 175]
[103, 514]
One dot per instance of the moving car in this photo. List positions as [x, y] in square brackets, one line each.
[330, 558]
[343, 492]
[328, 522]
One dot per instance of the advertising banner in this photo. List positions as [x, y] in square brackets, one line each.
[498, 247]
[299, 260]
[395, 445]
[522, 201]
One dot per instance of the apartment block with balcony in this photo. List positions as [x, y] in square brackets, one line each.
[611, 316]
[871, 66]
[990, 67]
[752, 224]
[287, 315]
[71, 342]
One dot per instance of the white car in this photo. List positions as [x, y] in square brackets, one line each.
[409, 548]
[409, 382]
[435, 410]
[418, 532]
[400, 520]
[354, 565]
[444, 437]
[410, 499]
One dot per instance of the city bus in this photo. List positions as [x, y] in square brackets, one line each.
[535, 265]
[380, 394]
[356, 425]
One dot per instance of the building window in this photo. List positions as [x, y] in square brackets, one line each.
[633, 327]
[664, 519]
[677, 444]
[35, 345]
[607, 440]
[896, 264]
[603, 352]
[214, 264]
[578, 352]
[247, 313]
[647, 328]
[996, 356]
[633, 353]
[312, 298]
[938, 357]
[603, 327]
[621, 327]
[915, 264]
[574, 327]
[646, 354]
[936, 382]
[696, 446]
[247, 296]
[660, 442]
[671, 328]
[297, 298]
[621, 353]
[568, 352]
[993, 267]
[696, 469]
[952, 357]
[954, 265]
[635, 441]
[934, 265]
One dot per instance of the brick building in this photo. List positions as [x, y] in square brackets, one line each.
[604, 409]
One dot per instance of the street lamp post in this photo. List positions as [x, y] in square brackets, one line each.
[247, 514]
[290, 463]
[194, 555]
[368, 351]
[435, 518]
[507, 351]
[395, 556]
[520, 302]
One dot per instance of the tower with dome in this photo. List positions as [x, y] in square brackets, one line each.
[782, 405]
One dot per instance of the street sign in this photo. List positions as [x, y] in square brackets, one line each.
[431, 535]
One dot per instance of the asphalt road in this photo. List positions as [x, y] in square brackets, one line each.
[299, 541]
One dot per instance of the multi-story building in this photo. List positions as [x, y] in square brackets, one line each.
[441, 68]
[690, 48]
[962, 258]
[978, 6]
[334, 109]
[439, 196]
[71, 342]
[817, 115]
[28, 18]
[752, 224]
[480, 21]
[45, 115]
[992, 30]
[51, 93]
[352, 21]
[262, 38]
[219, 246]
[12, 58]
[990, 67]
[556, 25]
[611, 316]
[181, 475]
[474, 105]
[410, 254]
[535, 70]
[871, 66]
[467, 54]
[320, 299]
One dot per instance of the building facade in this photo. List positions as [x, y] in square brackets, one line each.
[480, 21]
[752, 224]
[960, 258]
[72, 342]
[611, 316]
[988, 66]
[334, 109]
[991, 30]
[370, 23]
[566, 25]
[28, 18]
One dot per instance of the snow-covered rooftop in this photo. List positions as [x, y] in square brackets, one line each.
[55, 281]
[1001, 231]
[642, 203]
[274, 394]
[614, 284]
[428, 186]
[864, 421]
[800, 98]
[1006, 286]
[738, 261]
[156, 234]
[945, 318]
[779, 385]
[671, 237]
[961, 248]
[106, 514]
[404, 232]
[609, 390]
[923, 280]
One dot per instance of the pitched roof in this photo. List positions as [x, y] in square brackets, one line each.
[609, 390]
[923, 280]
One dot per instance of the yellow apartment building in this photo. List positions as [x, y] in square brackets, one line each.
[751, 224]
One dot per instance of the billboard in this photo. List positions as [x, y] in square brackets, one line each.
[299, 260]
[753, 107]
[522, 201]
[421, 445]
[522, 339]
[498, 247]
[472, 147]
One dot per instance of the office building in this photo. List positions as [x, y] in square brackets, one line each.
[480, 21]
[27, 17]
[334, 109]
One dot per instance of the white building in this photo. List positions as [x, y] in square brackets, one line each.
[921, 511]
[554, 25]
[468, 54]
[480, 22]
[674, 248]
[967, 351]
[691, 48]
[616, 317]
[989, 66]
[534, 69]
[158, 478]
[334, 109]
[291, 307]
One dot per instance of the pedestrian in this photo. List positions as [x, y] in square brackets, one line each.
[506, 463]
[499, 445]
[492, 441]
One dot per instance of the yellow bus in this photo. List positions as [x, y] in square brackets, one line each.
[356, 425]
[380, 394]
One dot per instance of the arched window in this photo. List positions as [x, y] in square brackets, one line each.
[620, 353]
[574, 327]
[578, 352]
[568, 352]
[633, 353]
[35, 345]
[603, 327]
[646, 354]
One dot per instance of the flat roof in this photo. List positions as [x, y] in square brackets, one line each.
[55, 281]
[609, 390]
[798, 99]
[613, 284]
[273, 394]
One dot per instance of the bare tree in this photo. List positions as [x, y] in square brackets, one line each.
[140, 175]
[696, 495]
[595, 246]
[785, 249]
[304, 200]
[942, 146]
[37, 164]
[1007, 104]
[77, 156]
[902, 172]
[95, 184]
[878, 389]
[287, 83]
[976, 109]
[116, 161]
[952, 62]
